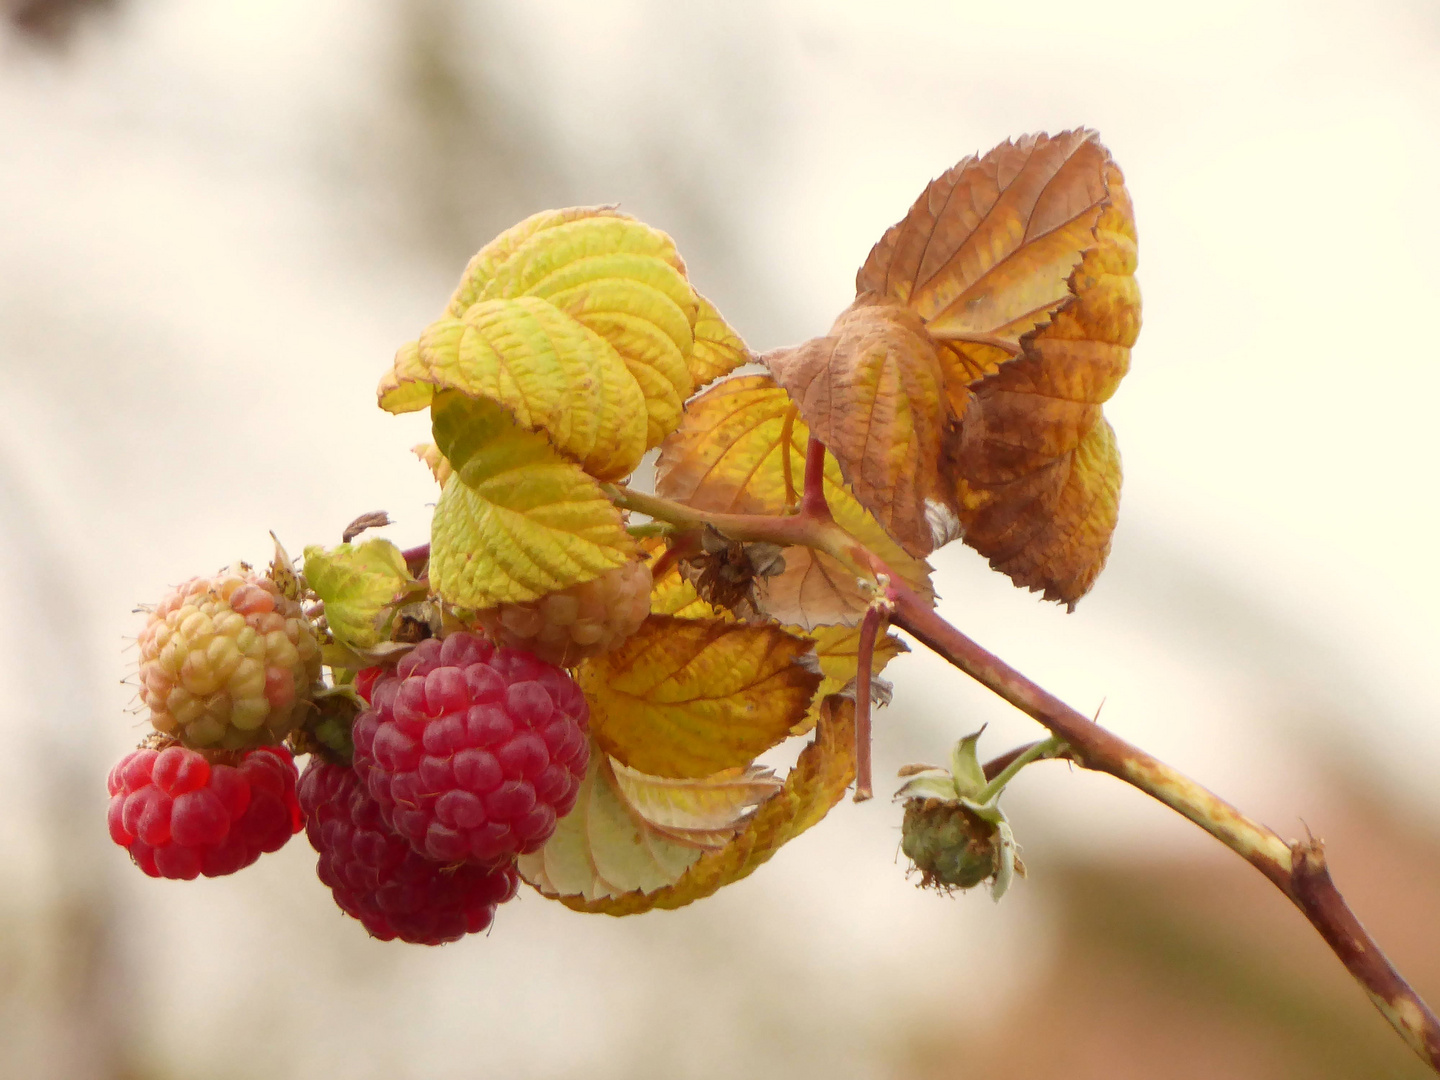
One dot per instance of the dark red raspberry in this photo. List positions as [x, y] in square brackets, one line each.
[377, 877]
[473, 752]
[180, 816]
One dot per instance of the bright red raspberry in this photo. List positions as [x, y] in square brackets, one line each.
[365, 680]
[377, 877]
[473, 752]
[180, 816]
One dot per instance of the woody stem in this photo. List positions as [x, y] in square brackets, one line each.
[1296, 868]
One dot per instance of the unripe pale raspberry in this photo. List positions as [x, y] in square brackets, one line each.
[473, 752]
[227, 662]
[581, 621]
[180, 815]
[378, 878]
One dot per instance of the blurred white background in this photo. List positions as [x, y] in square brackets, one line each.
[219, 219]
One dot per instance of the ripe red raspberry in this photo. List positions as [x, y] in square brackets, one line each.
[378, 878]
[473, 752]
[179, 815]
[581, 621]
[227, 662]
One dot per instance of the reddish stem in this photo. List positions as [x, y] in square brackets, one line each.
[870, 625]
[812, 502]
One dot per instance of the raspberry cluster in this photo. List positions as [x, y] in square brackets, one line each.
[180, 815]
[227, 662]
[581, 621]
[473, 752]
[378, 878]
[465, 755]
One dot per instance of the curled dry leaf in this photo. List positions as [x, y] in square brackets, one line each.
[376, 519]
[689, 697]
[704, 811]
[603, 849]
[816, 783]
[729, 456]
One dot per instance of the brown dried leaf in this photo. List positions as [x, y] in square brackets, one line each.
[873, 392]
[1038, 474]
[985, 254]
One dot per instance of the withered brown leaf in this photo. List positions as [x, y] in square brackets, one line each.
[992, 321]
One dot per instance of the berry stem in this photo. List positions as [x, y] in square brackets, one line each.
[1036, 751]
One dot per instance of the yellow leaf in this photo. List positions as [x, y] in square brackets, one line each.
[729, 457]
[515, 521]
[1037, 470]
[551, 373]
[488, 260]
[837, 648]
[689, 697]
[718, 349]
[702, 811]
[816, 783]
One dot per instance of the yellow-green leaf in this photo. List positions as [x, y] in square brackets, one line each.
[689, 697]
[488, 260]
[601, 849]
[729, 456]
[359, 585]
[816, 783]
[515, 521]
[623, 280]
[551, 373]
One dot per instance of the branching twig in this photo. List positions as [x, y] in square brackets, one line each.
[1297, 869]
